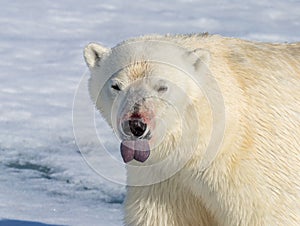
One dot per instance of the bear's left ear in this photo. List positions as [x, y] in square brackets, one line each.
[93, 53]
[198, 57]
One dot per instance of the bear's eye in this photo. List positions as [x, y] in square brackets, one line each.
[115, 87]
[162, 89]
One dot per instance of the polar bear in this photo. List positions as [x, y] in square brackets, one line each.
[167, 99]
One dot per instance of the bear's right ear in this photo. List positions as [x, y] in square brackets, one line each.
[93, 53]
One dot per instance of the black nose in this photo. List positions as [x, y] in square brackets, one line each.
[136, 127]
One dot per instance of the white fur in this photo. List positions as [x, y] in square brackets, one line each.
[255, 178]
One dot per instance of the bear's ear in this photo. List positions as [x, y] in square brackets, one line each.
[93, 53]
[198, 57]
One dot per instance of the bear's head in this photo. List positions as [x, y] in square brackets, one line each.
[148, 94]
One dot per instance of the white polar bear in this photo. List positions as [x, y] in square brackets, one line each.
[167, 110]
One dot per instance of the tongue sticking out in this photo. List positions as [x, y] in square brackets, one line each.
[135, 149]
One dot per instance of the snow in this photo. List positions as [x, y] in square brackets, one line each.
[44, 180]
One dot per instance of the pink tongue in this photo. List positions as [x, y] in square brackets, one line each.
[135, 149]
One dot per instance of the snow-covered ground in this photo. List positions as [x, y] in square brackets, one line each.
[43, 177]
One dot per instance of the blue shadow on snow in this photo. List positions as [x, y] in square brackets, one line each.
[23, 223]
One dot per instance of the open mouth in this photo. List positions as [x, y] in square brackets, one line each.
[136, 128]
[136, 145]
